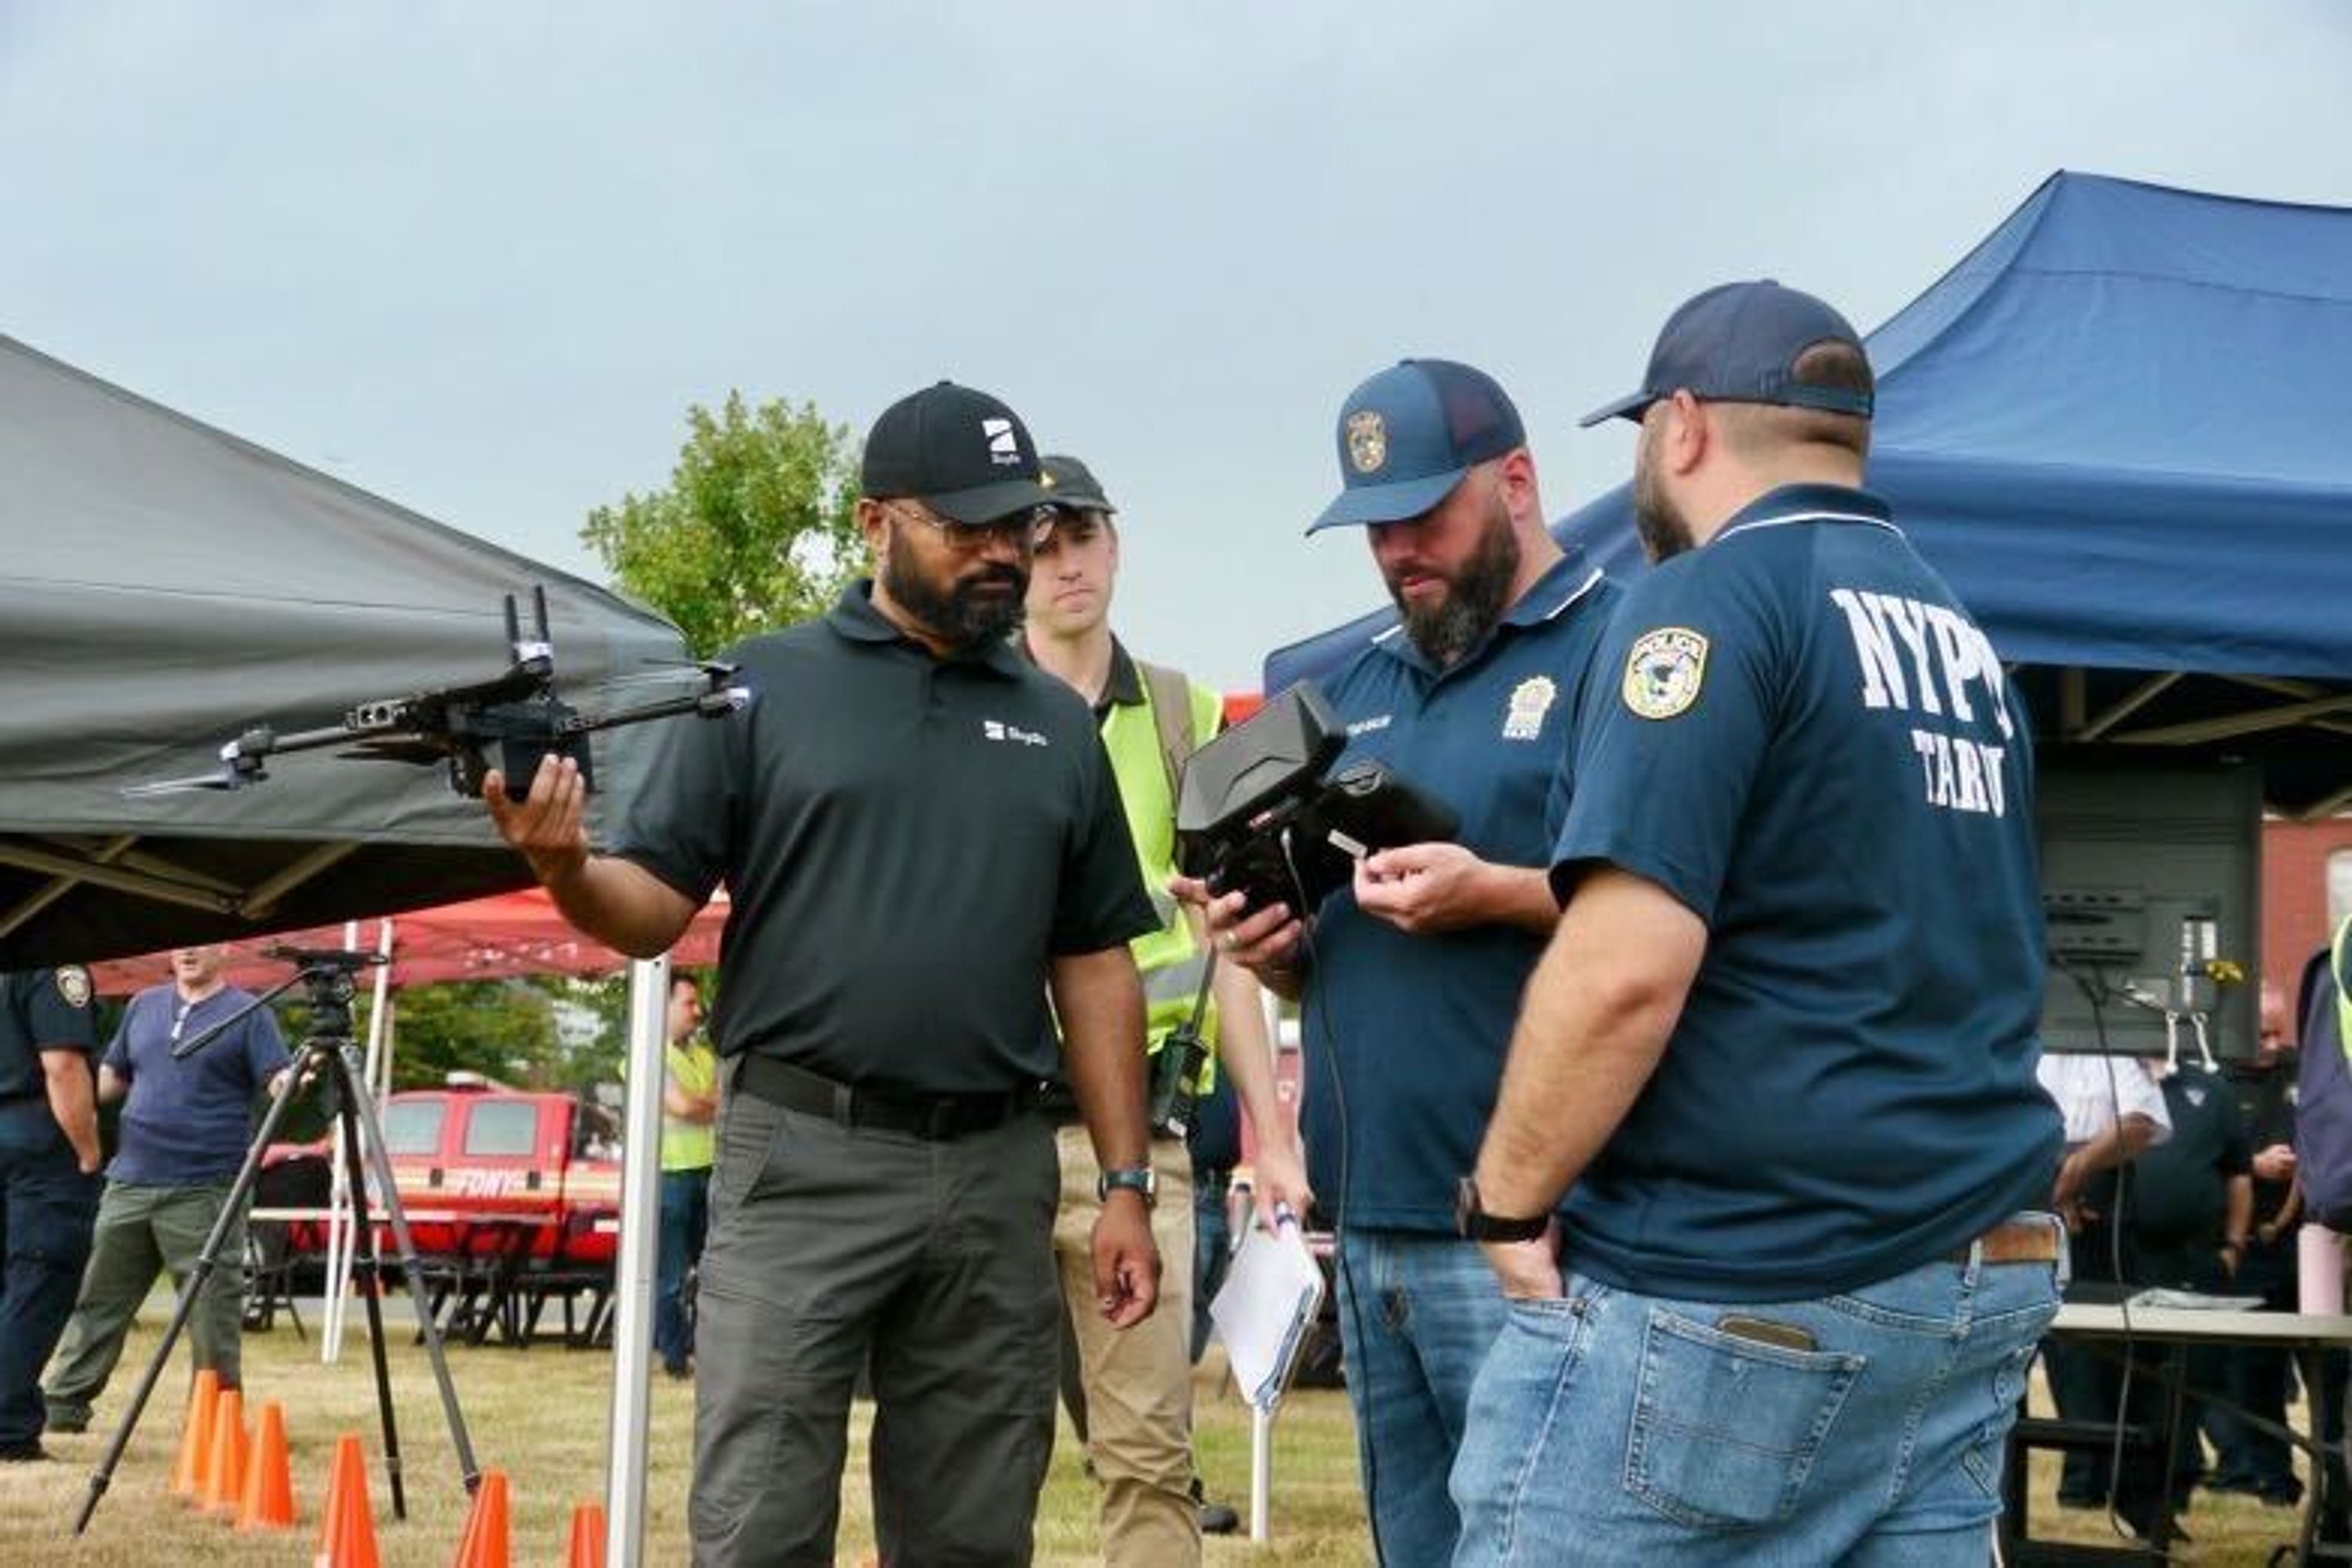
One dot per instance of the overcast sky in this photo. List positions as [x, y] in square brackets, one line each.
[480, 258]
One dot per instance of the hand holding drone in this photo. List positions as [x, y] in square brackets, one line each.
[517, 712]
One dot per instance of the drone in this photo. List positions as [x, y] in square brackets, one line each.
[517, 713]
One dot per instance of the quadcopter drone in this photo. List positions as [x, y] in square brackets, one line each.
[517, 712]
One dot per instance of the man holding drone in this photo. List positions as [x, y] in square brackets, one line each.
[923, 841]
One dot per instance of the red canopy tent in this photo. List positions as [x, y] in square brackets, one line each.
[482, 939]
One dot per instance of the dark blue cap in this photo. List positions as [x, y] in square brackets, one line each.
[1408, 436]
[1739, 342]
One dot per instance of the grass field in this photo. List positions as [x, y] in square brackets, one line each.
[539, 1415]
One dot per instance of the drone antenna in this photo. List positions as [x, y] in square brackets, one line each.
[514, 627]
[539, 611]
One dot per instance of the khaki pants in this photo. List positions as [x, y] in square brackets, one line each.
[1138, 1380]
[142, 1231]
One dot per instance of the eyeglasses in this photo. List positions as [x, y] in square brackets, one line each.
[1024, 530]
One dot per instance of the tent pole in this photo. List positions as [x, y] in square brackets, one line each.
[633, 1271]
[341, 1243]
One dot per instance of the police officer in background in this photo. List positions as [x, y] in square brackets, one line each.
[1410, 977]
[48, 1183]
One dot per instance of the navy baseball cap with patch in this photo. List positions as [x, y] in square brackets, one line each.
[961, 453]
[1408, 436]
[1739, 342]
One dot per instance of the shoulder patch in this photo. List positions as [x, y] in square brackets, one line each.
[1664, 671]
[73, 985]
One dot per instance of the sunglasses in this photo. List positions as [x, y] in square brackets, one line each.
[1024, 530]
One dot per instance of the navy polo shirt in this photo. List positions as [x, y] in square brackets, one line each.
[908, 841]
[1415, 1029]
[188, 1119]
[40, 1009]
[1798, 732]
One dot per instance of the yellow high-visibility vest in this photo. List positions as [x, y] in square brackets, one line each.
[1170, 958]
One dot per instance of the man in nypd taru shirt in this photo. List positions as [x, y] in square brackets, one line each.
[1411, 977]
[1780, 1054]
[923, 843]
[48, 1182]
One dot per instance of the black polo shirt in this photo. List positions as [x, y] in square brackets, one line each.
[2180, 1189]
[907, 840]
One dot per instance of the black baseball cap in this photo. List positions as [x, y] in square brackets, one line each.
[1739, 342]
[961, 453]
[1071, 484]
[1408, 436]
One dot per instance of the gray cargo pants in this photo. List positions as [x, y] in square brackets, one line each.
[829, 1245]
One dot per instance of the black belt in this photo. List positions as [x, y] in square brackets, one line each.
[938, 1117]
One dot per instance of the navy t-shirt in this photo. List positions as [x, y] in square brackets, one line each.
[187, 1120]
[1798, 732]
[1419, 1025]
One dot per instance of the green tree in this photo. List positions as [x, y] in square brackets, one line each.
[757, 530]
[502, 1029]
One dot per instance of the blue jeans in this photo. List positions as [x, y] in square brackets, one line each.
[1417, 1315]
[1609, 1428]
[685, 1219]
[1213, 1241]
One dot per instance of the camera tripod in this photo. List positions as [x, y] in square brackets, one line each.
[327, 1053]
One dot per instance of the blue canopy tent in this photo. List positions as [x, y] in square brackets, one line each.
[2122, 428]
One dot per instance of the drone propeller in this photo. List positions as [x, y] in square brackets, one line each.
[222, 781]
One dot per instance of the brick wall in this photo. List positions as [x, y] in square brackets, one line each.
[2295, 894]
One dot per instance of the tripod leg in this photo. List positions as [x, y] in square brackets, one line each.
[380, 1163]
[207, 1263]
[370, 1267]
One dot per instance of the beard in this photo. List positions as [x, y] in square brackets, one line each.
[1664, 532]
[1476, 594]
[961, 612]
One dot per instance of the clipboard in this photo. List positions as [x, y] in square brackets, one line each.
[1265, 1309]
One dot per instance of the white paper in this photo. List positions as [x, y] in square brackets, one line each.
[1264, 1310]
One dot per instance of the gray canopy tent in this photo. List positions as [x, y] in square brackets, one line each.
[166, 586]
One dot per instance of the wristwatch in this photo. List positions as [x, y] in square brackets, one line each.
[1138, 1179]
[1472, 1222]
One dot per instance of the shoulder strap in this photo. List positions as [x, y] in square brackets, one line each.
[1172, 714]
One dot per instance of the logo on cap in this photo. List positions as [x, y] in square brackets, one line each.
[1368, 440]
[1663, 672]
[1004, 446]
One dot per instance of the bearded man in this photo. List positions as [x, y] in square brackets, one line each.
[1409, 978]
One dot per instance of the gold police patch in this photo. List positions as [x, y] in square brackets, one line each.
[1368, 440]
[73, 985]
[1663, 672]
[1530, 700]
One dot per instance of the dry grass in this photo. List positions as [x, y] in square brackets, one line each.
[539, 1415]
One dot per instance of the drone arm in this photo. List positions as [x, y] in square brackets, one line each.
[706, 704]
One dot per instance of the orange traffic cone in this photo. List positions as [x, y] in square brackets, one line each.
[268, 1500]
[487, 1538]
[224, 1466]
[587, 1537]
[347, 1528]
[196, 1439]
